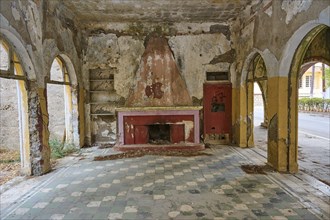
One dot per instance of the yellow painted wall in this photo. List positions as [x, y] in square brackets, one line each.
[278, 127]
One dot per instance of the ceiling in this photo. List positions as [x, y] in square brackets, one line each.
[91, 11]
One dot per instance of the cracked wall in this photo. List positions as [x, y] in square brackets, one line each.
[197, 48]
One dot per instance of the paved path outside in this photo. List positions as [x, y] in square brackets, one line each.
[166, 187]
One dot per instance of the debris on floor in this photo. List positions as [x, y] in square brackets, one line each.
[103, 146]
[256, 169]
[141, 153]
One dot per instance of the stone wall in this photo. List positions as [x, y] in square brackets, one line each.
[9, 123]
[55, 106]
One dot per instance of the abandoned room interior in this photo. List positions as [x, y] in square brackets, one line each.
[170, 82]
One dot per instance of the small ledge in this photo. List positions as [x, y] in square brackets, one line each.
[156, 108]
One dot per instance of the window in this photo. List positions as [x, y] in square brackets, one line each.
[56, 72]
[4, 57]
[300, 83]
[214, 76]
[308, 81]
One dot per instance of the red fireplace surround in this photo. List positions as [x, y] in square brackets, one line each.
[182, 124]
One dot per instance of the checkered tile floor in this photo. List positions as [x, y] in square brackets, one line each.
[160, 187]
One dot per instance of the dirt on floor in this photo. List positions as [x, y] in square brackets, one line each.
[9, 165]
[141, 153]
[257, 169]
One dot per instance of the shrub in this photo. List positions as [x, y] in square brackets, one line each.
[59, 150]
[314, 104]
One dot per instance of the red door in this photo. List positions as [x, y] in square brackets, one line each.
[217, 108]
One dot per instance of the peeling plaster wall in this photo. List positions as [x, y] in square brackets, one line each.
[319, 50]
[196, 49]
[121, 56]
[37, 36]
[36, 29]
[158, 81]
[262, 27]
[265, 27]
[267, 30]
[108, 51]
[194, 54]
[292, 8]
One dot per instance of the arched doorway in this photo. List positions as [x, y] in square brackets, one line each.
[62, 103]
[13, 82]
[257, 74]
[260, 116]
[315, 46]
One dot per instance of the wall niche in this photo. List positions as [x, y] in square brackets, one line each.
[103, 101]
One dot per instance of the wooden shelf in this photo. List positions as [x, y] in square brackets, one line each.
[100, 103]
[100, 80]
[101, 84]
[101, 90]
[95, 114]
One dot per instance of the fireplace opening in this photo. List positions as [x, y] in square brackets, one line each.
[159, 134]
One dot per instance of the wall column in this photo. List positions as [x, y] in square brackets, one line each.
[249, 112]
[242, 116]
[81, 116]
[280, 151]
[39, 133]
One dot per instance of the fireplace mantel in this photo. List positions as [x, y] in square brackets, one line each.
[159, 108]
[134, 122]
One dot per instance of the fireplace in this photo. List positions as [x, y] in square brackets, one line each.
[158, 127]
[158, 111]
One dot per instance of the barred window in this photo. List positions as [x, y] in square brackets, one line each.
[308, 81]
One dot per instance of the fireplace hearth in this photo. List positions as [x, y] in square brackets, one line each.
[148, 127]
[159, 134]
